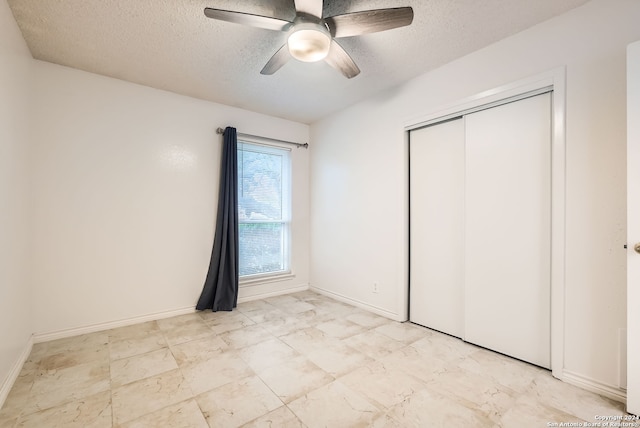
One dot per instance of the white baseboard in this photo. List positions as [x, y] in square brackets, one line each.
[61, 334]
[8, 382]
[357, 303]
[609, 391]
[272, 293]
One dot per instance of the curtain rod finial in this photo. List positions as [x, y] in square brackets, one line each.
[219, 131]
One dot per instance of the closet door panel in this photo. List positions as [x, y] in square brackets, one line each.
[436, 222]
[508, 229]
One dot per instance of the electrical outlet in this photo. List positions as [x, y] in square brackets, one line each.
[375, 287]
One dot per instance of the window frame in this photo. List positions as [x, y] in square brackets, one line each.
[286, 218]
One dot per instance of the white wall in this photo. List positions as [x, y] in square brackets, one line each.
[125, 185]
[15, 293]
[359, 175]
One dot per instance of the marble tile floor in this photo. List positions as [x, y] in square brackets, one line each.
[298, 360]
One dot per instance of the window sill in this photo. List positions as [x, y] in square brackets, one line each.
[250, 281]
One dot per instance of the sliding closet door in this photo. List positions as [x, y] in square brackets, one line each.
[507, 248]
[436, 221]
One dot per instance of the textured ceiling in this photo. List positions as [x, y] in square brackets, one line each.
[171, 45]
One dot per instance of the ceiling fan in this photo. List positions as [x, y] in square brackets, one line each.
[312, 37]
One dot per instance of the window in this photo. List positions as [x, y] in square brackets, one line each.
[264, 208]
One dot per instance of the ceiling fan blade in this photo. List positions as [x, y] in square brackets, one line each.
[278, 59]
[369, 21]
[249, 19]
[309, 7]
[339, 59]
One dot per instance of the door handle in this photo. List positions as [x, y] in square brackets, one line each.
[637, 248]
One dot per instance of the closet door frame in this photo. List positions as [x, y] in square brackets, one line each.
[553, 80]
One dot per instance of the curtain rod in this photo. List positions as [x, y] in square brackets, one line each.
[298, 145]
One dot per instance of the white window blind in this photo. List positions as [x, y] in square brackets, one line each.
[264, 209]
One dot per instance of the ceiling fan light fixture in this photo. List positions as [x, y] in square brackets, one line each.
[311, 37]
[309, 42]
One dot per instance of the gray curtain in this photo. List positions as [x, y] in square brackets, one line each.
[220, 292]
